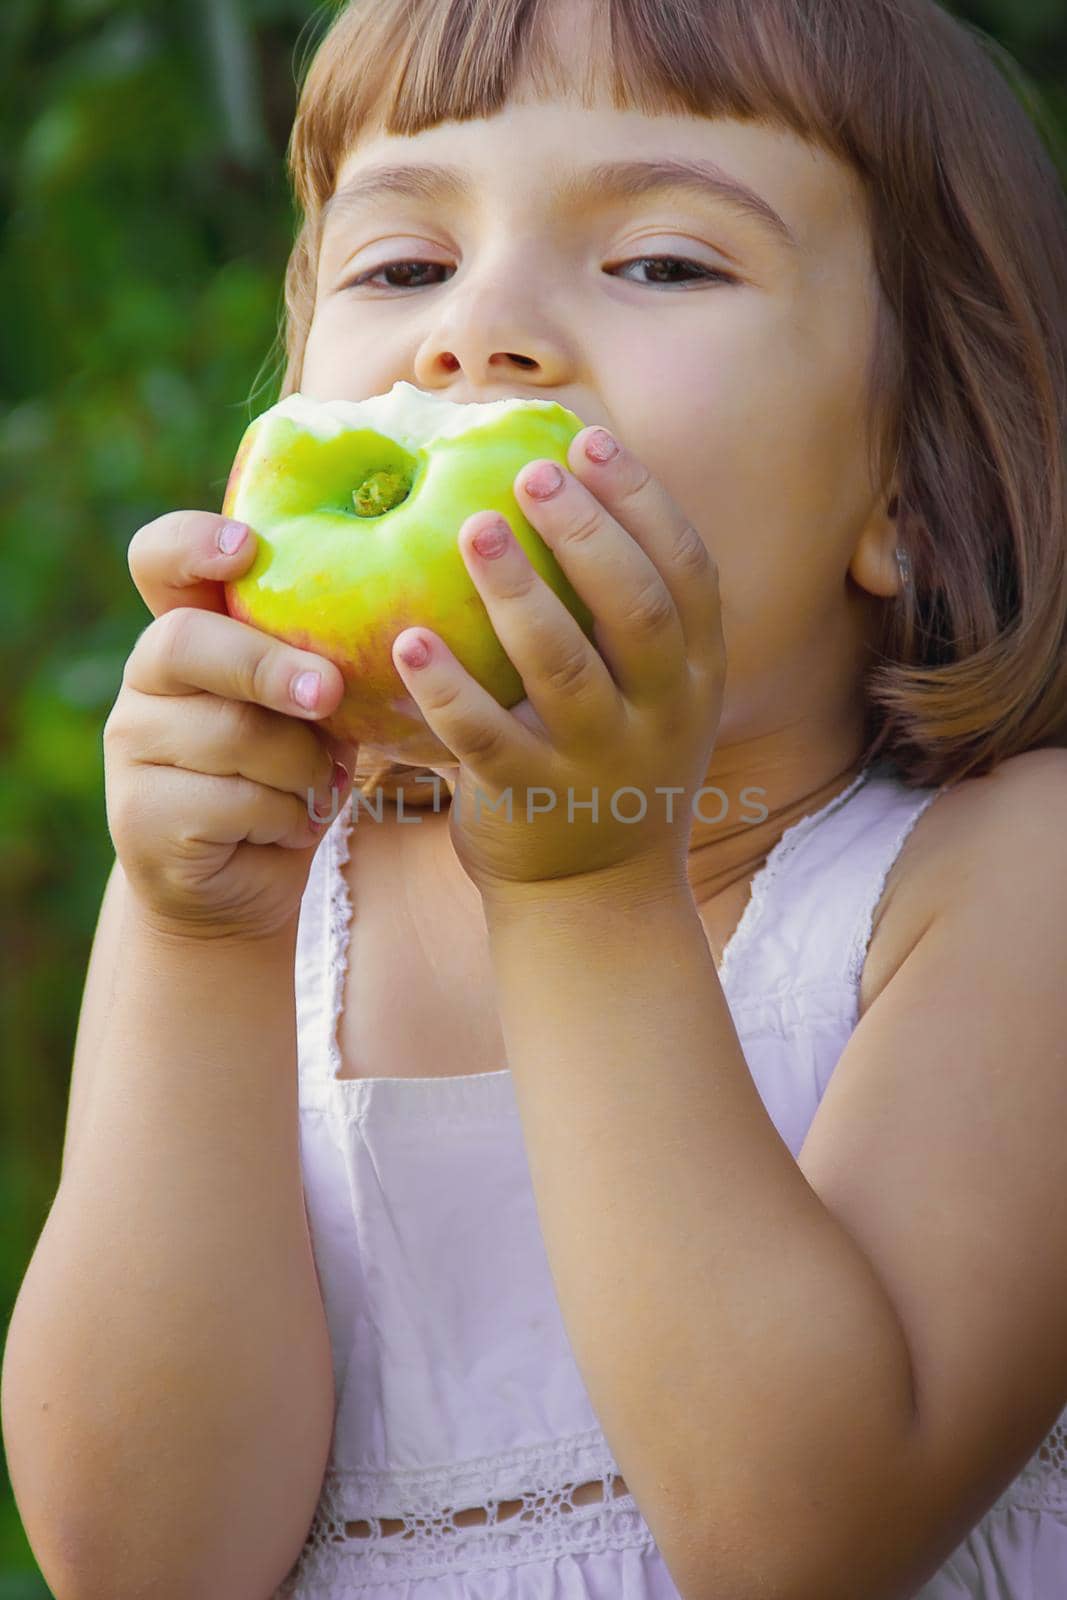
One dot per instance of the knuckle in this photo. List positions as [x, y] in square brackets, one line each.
[122, 815]
[637, 480]
[257, 674]
[690, 554]
[187, 539]
[116, 731]
[171, 633]
[132, 815]
[244, 724]
[652, 609]
[185, 844]
[483, 743]
[569, 673]
[706, 672]
[584, 525]
[144, 639]
[523, 583]
[185, 526]
[444, 697]
[149, 535]
[142, 645]
[125, 808]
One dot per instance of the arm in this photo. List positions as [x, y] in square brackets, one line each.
[167, 1383]
[723, 1320]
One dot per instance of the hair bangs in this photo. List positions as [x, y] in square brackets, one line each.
[402, 66]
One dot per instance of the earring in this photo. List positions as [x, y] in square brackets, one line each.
[903, 566]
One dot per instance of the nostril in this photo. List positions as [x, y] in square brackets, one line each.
[523, 361]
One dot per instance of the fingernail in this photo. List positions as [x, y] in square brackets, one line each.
[415, 652]
[232, 536]
[600, 446]
[492, 540]
[543, 481]
[339, 780]
[305, 690]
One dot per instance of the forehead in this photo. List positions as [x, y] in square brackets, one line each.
[560, 121]
[537, 150]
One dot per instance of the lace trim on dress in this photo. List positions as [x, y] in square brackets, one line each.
[339, 911]
[857, 956]
[764, 880]
[345, 1555]
[431, 1536]
[1042, 1483]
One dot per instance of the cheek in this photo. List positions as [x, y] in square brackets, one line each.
[725, 410]
[754, 471]
[319, 355]
[769, 451]
[337, 365]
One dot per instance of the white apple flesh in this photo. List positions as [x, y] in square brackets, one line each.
[356, 507]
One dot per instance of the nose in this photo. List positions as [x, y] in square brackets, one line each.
[491, 331]
[452, 363]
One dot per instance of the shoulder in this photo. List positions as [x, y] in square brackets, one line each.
[1012, 816]
[1016, 814]
[1003, 841]
[1034, 774]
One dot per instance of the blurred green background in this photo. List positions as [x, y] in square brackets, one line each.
[145, 221]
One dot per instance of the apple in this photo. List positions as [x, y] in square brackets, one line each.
[356, 507]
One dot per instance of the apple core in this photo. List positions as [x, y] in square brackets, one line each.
[380, 491]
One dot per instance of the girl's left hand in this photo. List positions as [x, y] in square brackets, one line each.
[614, 725]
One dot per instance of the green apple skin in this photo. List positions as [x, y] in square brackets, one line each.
[343, 584]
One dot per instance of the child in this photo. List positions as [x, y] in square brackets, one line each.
[682, 1155]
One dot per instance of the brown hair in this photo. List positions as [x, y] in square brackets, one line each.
[968, 220]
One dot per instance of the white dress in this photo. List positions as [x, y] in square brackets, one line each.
[456, 1385]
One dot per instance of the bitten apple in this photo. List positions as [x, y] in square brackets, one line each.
[356, 507]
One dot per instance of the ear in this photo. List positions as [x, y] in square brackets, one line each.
[874, 561]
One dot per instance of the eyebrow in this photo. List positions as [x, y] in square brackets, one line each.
[608, 180]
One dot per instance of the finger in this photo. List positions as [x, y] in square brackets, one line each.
[231, 739]
[176, 560]
[566, 680]
[637, 627]
[641, 505]
[186, 649]
[212, 811]
[464, 716]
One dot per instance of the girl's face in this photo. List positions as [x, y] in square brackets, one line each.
[734, 368]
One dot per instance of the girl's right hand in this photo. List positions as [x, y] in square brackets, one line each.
[208, 757]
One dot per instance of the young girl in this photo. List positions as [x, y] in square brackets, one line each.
[682, 1154]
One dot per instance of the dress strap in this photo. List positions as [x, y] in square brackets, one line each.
[322, 954]
[886, 836]
[809, 919]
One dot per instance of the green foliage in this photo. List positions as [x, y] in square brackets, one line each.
[145, 221]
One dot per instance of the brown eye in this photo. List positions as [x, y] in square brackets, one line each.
[693, 271]
[401, 267]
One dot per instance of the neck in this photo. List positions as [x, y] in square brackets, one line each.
[757, 789]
